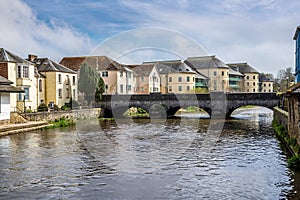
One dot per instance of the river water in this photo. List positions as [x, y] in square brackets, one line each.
[185, 158]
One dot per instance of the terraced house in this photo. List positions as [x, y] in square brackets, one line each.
[251, 76]
[118, 78]
[57, 84]
[22, 73]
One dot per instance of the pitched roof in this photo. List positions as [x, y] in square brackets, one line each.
[243, 67]
[6, 56]
[266, 78]
[5, 86]
[205, 62]
[143, 70]
[169, 66]
[296, 33]
[98, 62]
[234, 72]
[47, 65]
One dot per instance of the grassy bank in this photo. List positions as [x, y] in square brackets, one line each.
[61, 122]
[291, 143]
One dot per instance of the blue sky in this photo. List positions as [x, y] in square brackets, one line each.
[259, 32]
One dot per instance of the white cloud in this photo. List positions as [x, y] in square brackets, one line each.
[22, 33]
[254, 31]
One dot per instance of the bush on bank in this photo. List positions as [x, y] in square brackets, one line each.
[294, 161]
[61, 122]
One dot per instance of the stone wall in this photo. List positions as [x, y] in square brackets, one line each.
[73, 114]
[281, 116]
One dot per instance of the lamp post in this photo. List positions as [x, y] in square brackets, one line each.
[287, 83]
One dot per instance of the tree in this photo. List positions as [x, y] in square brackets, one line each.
[90, 82]
[285, 77]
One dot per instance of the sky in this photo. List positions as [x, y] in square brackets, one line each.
[259, 32]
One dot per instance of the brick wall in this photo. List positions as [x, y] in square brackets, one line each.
[4, 70]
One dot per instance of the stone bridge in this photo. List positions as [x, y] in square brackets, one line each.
[216, 104]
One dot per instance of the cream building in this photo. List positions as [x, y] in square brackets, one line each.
[22, 73]
[251, 76]
[147, 79]
[214, 68]
[57, 84]
[266, 82]
[181, 82]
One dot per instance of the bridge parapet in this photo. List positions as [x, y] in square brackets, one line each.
[217, 104]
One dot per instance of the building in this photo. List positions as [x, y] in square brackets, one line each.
[236, 80]
[186, 79]
[147, 79]
[251, 76]
[118, 78]
[213, 68]
[57, 84]
[23, 75]
[297, 55]
[266, 82]
[6, 89]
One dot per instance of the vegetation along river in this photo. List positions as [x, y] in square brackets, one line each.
[184, 158]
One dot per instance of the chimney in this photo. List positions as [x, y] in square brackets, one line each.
[32, 57]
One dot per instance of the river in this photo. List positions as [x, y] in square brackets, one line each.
[185, 158]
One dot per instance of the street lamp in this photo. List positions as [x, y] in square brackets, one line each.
[287, 83]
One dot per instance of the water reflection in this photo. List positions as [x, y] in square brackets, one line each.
[149, 160]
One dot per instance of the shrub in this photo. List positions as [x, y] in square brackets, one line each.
[42, 107]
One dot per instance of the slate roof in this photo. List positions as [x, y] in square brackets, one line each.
[205, 62]
[265, 78]
[100, 62]
[296, 33]
[5, 86]
[47, 65]
[6, 56]
[143, 70]
[243, 67]
[175, 66]
[233, 72]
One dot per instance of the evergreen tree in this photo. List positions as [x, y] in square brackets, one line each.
[90, 83]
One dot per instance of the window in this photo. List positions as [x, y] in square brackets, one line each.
[142, 78]
[106, 87]
[264, 90]
[223, 73]
[215, 73]
[74, 93]
[128, 87]
[253, 90]
[179, 79]
[179, 88]
[264, 85]
[74, 80]
[25, 72]
[121, 88]
[121, 74]
[67, 80]
[105, 74]
[128, 74]
[155, 89]
[170, 79]
[170, 88]
[188, 79]
[253, 77]
[193, 79]
[247, 90]
[269, 90]
[248, 84]
[188, 88]
[40, 85]
[67, 93]
[253, 83]
[59, 78]
[269, 84]
[25, 95]
[247, 77]
[215, 85]
[142, 89]
[59, 93]
[19, 75]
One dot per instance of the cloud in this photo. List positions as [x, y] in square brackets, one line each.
[255, 31]
[22, 33]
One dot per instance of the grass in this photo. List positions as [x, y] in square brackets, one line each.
[61, 122]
